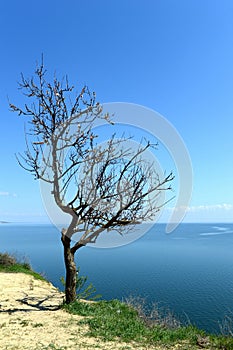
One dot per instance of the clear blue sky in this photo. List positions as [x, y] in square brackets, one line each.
[175, 57]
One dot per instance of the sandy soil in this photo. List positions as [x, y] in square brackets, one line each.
[30, 319]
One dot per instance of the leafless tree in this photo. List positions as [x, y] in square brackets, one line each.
[101, 187]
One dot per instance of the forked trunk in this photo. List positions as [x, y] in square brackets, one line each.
[71, 273]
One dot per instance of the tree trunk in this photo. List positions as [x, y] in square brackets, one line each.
[71, 272]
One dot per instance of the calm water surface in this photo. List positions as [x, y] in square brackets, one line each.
[189, 271]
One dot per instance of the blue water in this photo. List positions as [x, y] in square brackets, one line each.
[189, 271]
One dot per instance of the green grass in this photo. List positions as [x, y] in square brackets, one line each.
[10, 264]
[114, 320]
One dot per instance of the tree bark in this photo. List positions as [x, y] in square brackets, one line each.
[71, 272]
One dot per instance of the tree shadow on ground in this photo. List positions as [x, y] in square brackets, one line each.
[47, 303]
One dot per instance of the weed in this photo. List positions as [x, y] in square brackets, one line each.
[83, 292]
[35, 325]
[226, 327]
[52, 347]
[154, 315]
[24, 323]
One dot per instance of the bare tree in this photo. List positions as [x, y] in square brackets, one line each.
[101, 187]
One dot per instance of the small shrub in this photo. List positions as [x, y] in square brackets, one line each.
[226, 327]
[83, 292]
[9, 263]
[7, 260]
[154, 316]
